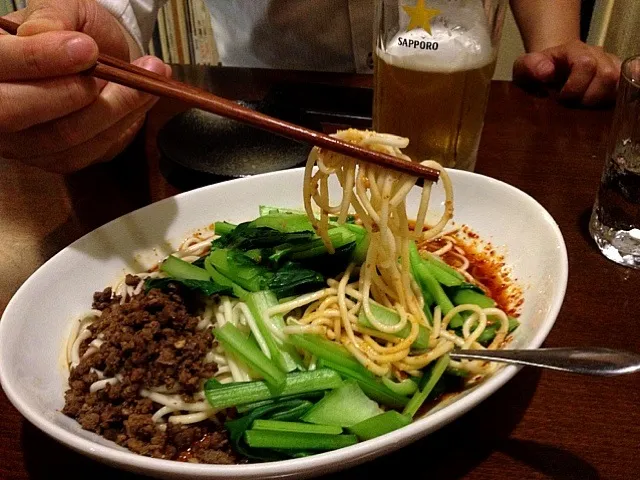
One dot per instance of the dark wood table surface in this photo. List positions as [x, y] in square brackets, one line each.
[540, 425]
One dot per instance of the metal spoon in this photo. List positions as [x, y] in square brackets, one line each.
[588, 361]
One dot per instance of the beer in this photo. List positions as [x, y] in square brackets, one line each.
[433, 89]
[442, 114]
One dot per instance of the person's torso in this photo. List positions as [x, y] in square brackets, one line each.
[323, 35]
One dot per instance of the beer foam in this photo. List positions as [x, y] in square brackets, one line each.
[461, 45]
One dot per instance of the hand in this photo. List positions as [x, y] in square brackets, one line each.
[588, 75]
[51, 116]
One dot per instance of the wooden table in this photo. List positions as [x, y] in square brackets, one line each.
[540, 425]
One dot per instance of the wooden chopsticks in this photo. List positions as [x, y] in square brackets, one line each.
[118, 71]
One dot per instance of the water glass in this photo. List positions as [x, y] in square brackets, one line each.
[615, 220]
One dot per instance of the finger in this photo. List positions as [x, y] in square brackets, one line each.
[43, 140]
[602, 89]
[583, 68]
[534, 67]
[578, 63]
[113, 104]
[77, 15]
[123, 141]
[16, 17]
[114, 139]
[50, 54]
[119, 99]
[23, 105]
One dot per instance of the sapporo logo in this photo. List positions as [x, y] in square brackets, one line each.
[420, 16]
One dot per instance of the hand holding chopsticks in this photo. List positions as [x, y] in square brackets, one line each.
[52, 115]
[123, 73]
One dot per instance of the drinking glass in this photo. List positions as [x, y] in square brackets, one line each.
[433, 64]
[615, 220]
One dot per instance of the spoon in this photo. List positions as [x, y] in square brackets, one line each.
[589, 361]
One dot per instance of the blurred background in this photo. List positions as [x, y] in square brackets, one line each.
[612, 24]
[183, 33]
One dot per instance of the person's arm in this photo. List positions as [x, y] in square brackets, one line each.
[547, 23]
[556, 58]
[52, 117]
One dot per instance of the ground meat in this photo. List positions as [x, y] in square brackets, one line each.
[150, 341]
[131, 280]
[210, 448]
[102, 300]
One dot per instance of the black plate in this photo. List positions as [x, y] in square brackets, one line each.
[199, 148]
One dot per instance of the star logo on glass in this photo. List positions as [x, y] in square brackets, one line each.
[420, 16]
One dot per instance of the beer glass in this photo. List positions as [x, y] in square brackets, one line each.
[615, 219]
[433, 63]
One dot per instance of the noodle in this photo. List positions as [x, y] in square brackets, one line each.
[378, 196]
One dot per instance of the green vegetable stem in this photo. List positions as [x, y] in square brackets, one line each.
[233, 394]
[234, 341]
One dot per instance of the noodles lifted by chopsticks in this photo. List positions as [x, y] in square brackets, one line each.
[378, 197]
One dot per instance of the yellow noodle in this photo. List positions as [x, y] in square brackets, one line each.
[378, 197]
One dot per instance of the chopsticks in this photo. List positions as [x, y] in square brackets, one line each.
[121, 72]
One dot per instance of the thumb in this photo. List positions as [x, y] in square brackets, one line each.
[535, 67]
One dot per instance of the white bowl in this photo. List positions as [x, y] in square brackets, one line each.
[37, 321]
